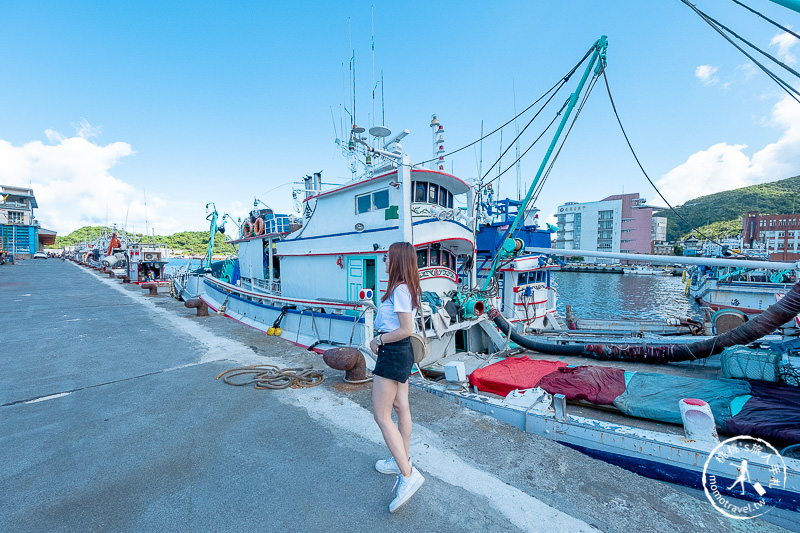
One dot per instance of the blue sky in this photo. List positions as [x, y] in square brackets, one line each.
[106, 105]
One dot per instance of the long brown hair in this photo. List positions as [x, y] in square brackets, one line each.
[403, 269]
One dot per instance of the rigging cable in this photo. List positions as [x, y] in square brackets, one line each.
[627, 140]
[540, 185]
[757, 49]
[578, 110]
[718, 28]
[784, 28]
[558, 114]
[561, 82]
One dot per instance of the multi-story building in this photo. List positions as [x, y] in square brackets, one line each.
[619, 223]
[779, 235]
[20, 233]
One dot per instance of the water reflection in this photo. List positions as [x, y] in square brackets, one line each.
[611, 296]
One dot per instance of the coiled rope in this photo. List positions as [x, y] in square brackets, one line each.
[271, 377]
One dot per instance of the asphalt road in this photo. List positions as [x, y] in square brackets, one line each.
[111, 420]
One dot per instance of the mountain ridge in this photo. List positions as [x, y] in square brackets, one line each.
[722, 208]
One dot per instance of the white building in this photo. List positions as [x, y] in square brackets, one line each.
[619, 223]
[659, 233]
[590, 226]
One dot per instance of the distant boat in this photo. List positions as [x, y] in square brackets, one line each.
[750, 290]
[640, 270]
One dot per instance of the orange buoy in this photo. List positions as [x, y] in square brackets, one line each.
[247, 228]
[258, 227]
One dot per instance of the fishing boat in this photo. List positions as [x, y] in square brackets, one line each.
[317, 285]
[641, 270]
[317, 280]
[525, 292]
[749, 288]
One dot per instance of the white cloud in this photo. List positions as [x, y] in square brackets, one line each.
[705, 73]
[74, 184]
[785, 42]
[747, 69]
[70, 179]
[725, 166]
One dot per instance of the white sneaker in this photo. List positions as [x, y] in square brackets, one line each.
[389, 466]
[406, 487]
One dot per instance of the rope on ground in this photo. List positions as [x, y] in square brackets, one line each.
[271, 377]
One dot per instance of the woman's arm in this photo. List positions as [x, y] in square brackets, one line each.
[405, 330]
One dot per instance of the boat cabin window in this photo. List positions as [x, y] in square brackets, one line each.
[432, 256]
[422, 258]
[420, 191]
[537, 276]
[372, 201]
[430, 193]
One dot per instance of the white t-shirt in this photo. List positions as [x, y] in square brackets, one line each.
[399, 302]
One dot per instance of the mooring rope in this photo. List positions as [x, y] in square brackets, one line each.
[272, 377]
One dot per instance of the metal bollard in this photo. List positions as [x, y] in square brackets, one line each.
[349, 359]
[197, 303]
[152, 287]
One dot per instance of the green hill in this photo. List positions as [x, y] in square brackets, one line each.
[195, 242]
[723, 211]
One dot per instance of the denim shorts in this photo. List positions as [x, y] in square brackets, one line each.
[395, 360]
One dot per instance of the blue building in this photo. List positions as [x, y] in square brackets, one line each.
[20, 233]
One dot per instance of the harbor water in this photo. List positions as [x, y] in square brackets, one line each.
[607, 296]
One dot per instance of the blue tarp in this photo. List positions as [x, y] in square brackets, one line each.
[657, 396]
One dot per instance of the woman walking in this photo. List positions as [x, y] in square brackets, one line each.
[394, 324]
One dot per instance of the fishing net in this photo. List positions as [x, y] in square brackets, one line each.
[789, 374]
[740, 362]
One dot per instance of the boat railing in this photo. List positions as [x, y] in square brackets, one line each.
[264, 285]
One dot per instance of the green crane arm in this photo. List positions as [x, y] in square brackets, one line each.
[597, 62]
[794, 5]
[212, 232]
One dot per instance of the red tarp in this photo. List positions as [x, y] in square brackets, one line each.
[595, 384]
[514, 373]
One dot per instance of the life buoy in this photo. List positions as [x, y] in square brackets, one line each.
[247, 228]
[258, 227]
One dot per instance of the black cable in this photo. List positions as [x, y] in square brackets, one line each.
[627, 140]
[509, 167]
[578, 110]
[561, 81]
[785, 86]
[518, 136]
[754, 47]
[546, 174]
[787, 30]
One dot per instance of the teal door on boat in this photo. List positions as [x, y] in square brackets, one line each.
[361, 274]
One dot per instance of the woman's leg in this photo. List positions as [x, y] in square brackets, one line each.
[403, 410]
[384, 392]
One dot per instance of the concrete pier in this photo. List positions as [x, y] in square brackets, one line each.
[111, 420]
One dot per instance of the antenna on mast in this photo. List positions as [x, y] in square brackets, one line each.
[516, 128]
[374, 85]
